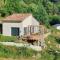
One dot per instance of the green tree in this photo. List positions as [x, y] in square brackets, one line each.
[41, 14]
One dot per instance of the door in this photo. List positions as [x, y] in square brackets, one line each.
[0, 28]
[15, 31]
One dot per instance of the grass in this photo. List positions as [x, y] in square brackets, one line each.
[7, 38]
[47, 56]
[16, 52]
[1, 58]
[53, 40]
[23, 53]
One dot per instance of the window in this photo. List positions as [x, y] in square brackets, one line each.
[28, 30]
[32, 29]
[15, 31]
[25, 30]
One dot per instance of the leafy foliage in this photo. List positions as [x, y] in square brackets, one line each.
[41, 9]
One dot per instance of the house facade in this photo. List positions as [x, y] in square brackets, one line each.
[19, 25]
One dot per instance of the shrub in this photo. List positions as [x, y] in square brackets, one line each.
[58, 40]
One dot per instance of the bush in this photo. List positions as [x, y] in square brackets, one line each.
[58, 40]
[54, 19]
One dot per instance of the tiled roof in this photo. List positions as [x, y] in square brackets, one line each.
[17, 17]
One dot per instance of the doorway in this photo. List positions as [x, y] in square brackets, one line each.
[0, 28]
[15, 31]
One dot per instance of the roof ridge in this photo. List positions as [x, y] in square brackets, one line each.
[17, 17]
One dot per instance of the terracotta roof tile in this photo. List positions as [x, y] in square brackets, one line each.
[17, 17]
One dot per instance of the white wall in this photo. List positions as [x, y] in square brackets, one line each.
[7, 28]
[31, 21]
[35, 23]
[28, 21]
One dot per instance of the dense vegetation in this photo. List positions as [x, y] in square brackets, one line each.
[16, 52]
[43, 10]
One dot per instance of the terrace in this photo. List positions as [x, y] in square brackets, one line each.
[36, 39]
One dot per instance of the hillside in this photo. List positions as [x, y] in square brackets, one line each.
[43, 10]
